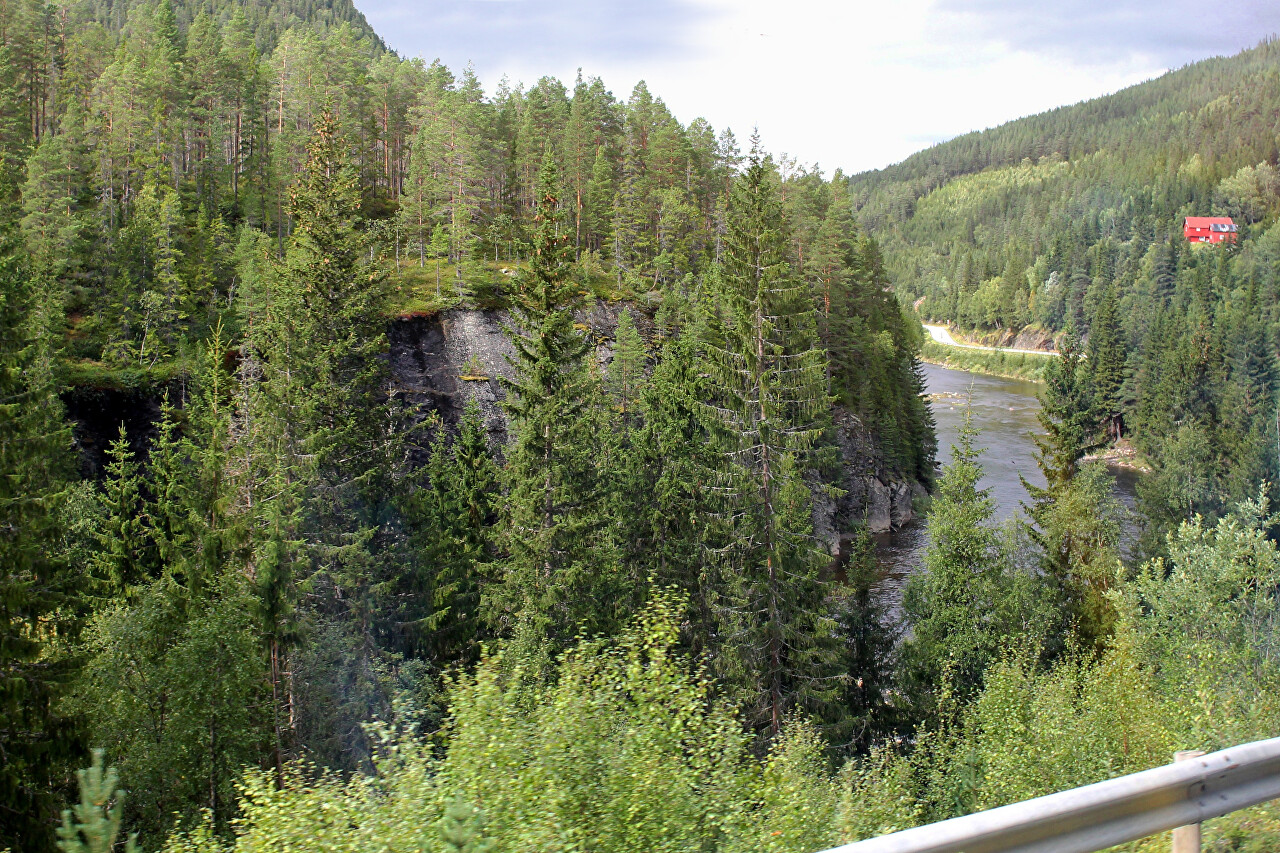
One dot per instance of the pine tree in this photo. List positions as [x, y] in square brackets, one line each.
[768, 386]
[439, 248]
[55, 195]
[560, 571]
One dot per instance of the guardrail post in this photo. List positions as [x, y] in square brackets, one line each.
[1186, 839]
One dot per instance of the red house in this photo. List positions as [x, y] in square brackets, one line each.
[1209, 229]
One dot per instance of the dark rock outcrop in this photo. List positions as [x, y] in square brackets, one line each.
[96, 415]
[871, 496]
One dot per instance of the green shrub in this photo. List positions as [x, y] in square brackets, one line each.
[625, 749]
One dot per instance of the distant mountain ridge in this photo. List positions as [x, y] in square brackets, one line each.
[1166, 113]
[267, 18]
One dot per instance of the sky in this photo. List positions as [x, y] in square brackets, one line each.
[855, 85]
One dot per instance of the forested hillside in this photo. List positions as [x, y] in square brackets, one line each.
[1071, 222]
[293, 605]
[215, 213]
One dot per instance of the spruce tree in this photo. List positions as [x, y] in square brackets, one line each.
[1066, 415]
[967, 602]
[598, 207]
[1105, 362]
[769, 404]
[626, 376]
[125, 558]
[462, 829]
[329, 444]
[449, 515]
[327, 331]
[560, 572]
[1073, 517]
[36, 740]
[662, 486]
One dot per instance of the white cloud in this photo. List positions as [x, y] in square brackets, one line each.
[855, 85]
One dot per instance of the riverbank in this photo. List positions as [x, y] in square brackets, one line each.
[1029, 367]
[1122, 454]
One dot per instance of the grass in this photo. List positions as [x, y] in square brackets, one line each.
[1011, 365]
[415, 291]
[88, 373]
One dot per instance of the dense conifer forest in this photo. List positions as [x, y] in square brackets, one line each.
[289, 608]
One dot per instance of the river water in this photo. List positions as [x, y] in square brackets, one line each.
[1004, 410]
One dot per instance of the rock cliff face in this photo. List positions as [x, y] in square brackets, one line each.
[441, 362]
[873, 498]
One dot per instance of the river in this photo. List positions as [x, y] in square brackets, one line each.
[1005, 412]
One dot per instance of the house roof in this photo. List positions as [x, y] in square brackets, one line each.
[1206, 221]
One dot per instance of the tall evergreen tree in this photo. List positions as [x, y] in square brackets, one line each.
[1106, 361]
[1073, 517]
[770, 405]
[125, 558]
[1066, 415]
[450, 515]
[968, 600]
[36, 740]
[560, 572]
[323, 344]
[627, 370]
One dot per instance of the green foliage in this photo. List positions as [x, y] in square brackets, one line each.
[1202, 616]
[1078, 529]
[176, 696]
[1014, 365]
[450, 513]
[626, 746]
[627, 370]
[972, 600]
[124, 560]
[769, 407]
[560, 571]
[462, 829]
[1075, 519]
[37, 592]
[282, 563]
[94, 823]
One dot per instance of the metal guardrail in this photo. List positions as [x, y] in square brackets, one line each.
[1095, 817]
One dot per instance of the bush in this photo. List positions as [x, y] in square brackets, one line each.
[626, 749]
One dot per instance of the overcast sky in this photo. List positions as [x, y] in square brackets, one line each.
[853, 84]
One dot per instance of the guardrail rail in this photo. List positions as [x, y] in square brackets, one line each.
[1102, 815]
